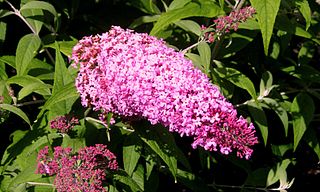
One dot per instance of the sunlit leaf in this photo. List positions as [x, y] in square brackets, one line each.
[266, 13]
[40, 5]
[201, 8]
[305, 10]
[189, 26]
[26, 50]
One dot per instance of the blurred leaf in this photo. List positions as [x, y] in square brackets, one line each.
[266, 13]
[196, 60]
[8, 59]
[189, 26]
[4, 13]
[138, 176]
[260, 119]
[176, 4]
[306, 53]
[278, 173]
[131, 154]
[194, 183]
[281, 112]
[266, 84]
[40, 5]
[147, 6]
[304, 72]
[143, 20]
[280, 150]
[16, 111]
[312, 140]
[193, 9]
[205, 56]
[238, 79]
[74, 143]
[305, 10]
[302, 110]
[26, 50]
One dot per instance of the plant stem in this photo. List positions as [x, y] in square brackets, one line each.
[29, 103]
[18, 13]
[40, 184]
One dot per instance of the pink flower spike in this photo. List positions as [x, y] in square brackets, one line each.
[138, 76]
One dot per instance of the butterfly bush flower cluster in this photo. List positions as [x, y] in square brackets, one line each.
[84, 171]
[227, 23]
[139, 76]
[63, 124]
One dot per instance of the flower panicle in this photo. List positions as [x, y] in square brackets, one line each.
[83, 171]
[136, 75]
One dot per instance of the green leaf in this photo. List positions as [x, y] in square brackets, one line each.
[35, 18]
[74, 143]
[4, 13]
[280, 111]
[201, 8]
[302, 110]
[10, 60]
[16, 111]
[65, 47]
[189, 26]
[238, 79]
[205, 56]
[306, 53]
[170, 160]
[191, 181]
[61, 78]
[305, 10]
[40, 5]
[37, 87]
[125, 179]
[138, 176]
[142, 20]
[131, 154]
[176, 4]
[196, 60]
[266, 13]
[278, 173]
[67, 92]
[260, 119]
[30, 84]
[312, 140]
[26, 50]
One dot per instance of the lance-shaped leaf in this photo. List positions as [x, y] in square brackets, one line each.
[130, 153]
[16, 111]
[302, 110]
[266, 13]
[26, 50]
[305, 10]
[201, 8]
[238, 79]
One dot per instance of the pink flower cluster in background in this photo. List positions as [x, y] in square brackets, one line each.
[63, 124]
[84, 171]
[227, 23]
[137, 75]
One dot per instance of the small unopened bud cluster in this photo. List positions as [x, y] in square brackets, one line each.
[83, 171]
[225, 24]
[63, 124]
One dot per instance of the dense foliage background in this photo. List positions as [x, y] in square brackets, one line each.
[268, 68]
